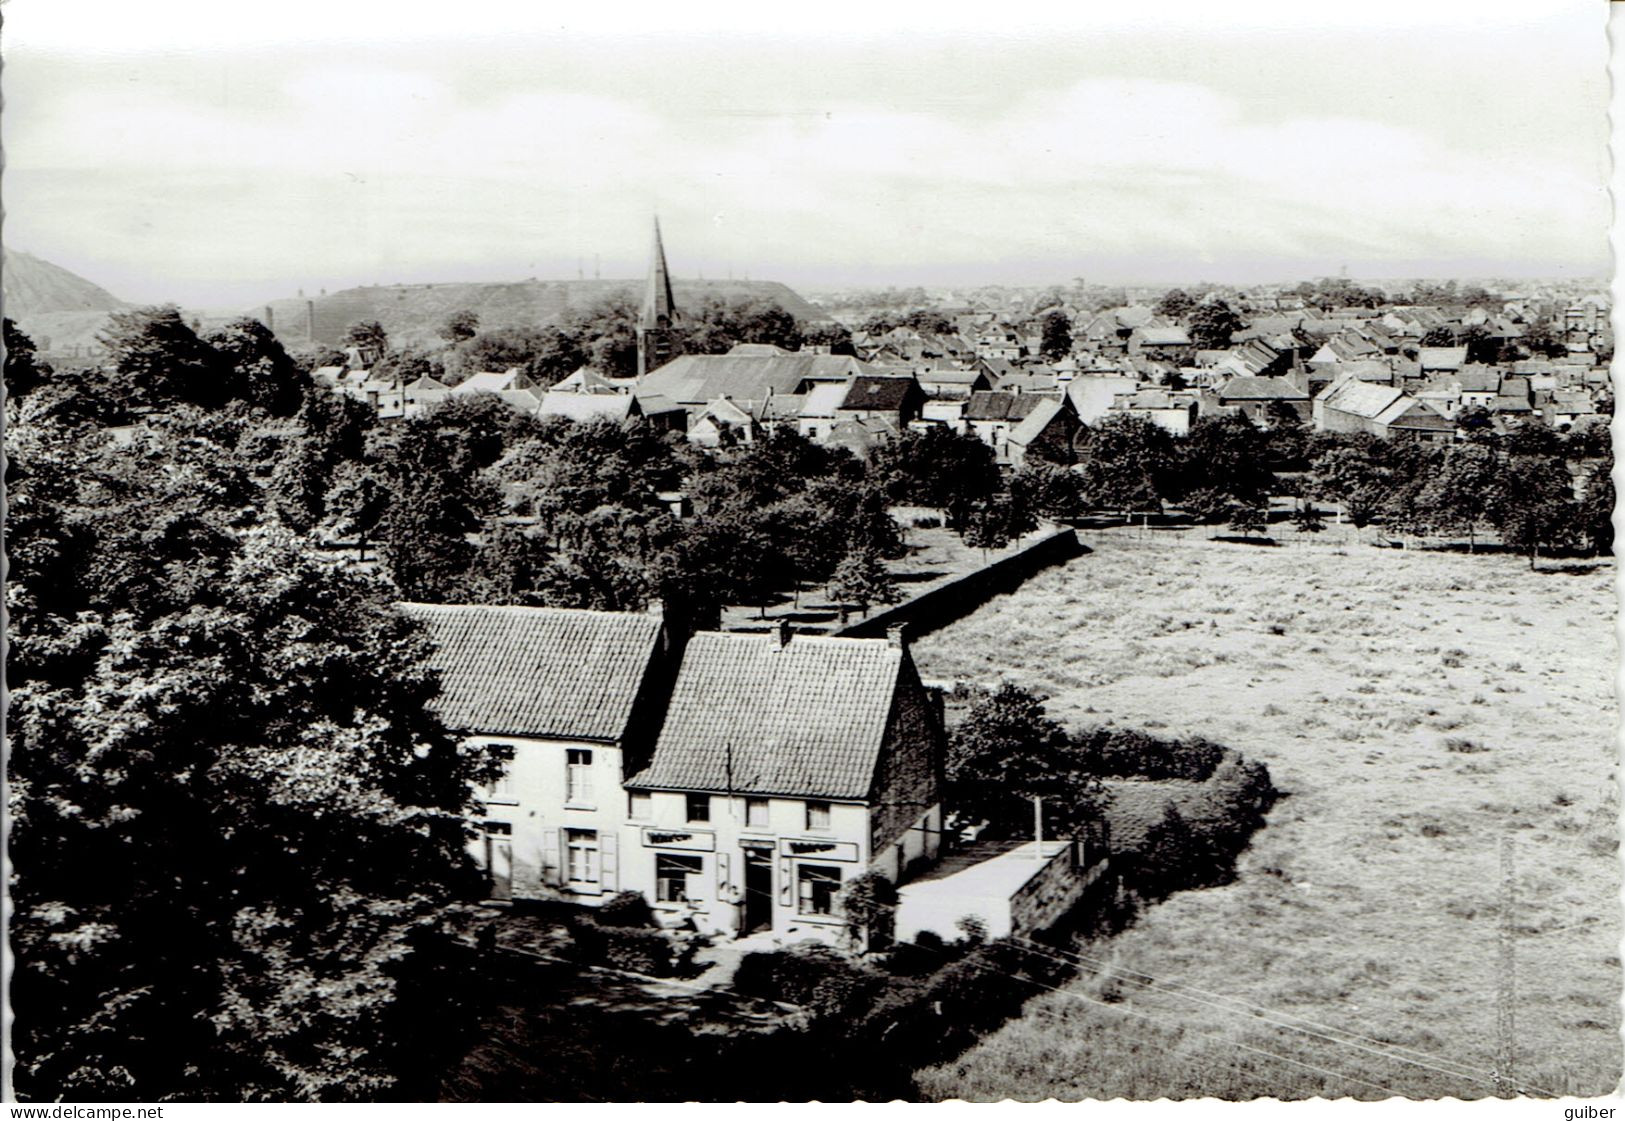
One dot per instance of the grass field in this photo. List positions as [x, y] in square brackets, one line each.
[1414, 709]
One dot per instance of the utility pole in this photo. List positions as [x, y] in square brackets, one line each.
[1506, 978]
[1038, 828]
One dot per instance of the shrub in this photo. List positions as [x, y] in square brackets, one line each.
[1127, 753]
[625, 908]
[795, 975]
[1460, 745]
[869, 903]
[621, 947]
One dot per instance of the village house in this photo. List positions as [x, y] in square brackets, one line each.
[723, 424]
[991, 417]
[1176, 412]
[571, 700]
[1264, 401]
[1050, 432]
[1356, 406]
[738, 785]
[786, 767]
[895, 400]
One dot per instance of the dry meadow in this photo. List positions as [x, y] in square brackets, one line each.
[1414, 709]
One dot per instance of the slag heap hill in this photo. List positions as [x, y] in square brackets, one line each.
[413, 313]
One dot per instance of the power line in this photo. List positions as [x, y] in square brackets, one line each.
[1468, 1072]
[1172, 989]
[1224, 1042]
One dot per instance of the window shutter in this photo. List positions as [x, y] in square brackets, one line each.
[608, 862]
[785, 883]
[552, 873]
[722, 877]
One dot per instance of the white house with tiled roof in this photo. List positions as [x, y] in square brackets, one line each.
[786, 766]
[741, 794]
[571, 699]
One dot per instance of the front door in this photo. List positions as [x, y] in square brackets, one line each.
[758, 890]
[499, 859]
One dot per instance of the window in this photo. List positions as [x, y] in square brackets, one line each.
[638, 805]
[671, 876]
[578, 775]
[699, 807]
[502, 788]
[818, 884]
[581, 848]
[817, 815]
[756, 813]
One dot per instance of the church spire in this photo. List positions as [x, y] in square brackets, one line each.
[659, 313]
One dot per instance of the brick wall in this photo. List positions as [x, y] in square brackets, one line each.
[909, 778]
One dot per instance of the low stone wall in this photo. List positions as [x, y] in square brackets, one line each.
[1042, 901]
[961, 595]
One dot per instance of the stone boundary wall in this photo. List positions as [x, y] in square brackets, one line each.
[961, 595]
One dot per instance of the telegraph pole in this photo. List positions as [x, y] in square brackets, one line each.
[1506, 996]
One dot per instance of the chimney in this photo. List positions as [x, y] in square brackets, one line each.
[896, 636]
[270, 319]
[786, 633]
[310, 320]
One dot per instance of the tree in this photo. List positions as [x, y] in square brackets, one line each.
[1349, 474]
[1008, 751]
[544, 355]
[23, 371]
[159, 360]
[1208, 505]
[1176, 303]
[1532, 504]
[1212, 323]
[1439, 336]
[1247, 518]
[1544, 339]
[1056, 336]
[460, 326]
[1307, 518]
[608, 334]
[260, 369]
[1127, 463]
[862, 579]
[1461, 492]
[370, 338]
[234, 819]
[1480, 347]
[1229, 455]
[987, 526]
[1047, 489]
[1595, 514]
[936, 467]
[833, 335]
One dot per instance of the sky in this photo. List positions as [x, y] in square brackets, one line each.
[219, 155]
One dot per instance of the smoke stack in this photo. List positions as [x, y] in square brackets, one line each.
[310, 320]
[270, 320]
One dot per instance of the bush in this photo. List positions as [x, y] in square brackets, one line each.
[620, 947]
[1133, 754]
[626, 908]
[810, 974]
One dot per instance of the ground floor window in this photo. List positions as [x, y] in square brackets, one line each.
[581, 847]
[818, 884]
[671, 876]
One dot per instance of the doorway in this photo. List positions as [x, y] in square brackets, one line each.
[758, 890]
[499, 858]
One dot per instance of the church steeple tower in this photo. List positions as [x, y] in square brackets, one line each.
[659, 314]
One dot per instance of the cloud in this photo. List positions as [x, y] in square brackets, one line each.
[356, 169]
